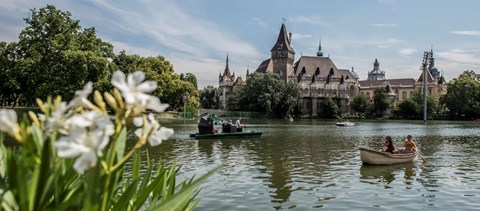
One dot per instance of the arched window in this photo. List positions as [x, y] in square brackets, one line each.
[404, 95]
[411, 93]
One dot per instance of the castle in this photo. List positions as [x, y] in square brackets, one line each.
[320, 79]
[403, 88]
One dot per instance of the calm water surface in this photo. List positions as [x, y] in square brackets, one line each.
[313, 164]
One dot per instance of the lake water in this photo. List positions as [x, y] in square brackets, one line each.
[311, 164]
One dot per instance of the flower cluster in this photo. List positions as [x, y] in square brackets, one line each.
[85, 128]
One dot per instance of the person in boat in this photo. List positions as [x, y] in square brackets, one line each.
[389, 144]
[238, 123]
[409, 145]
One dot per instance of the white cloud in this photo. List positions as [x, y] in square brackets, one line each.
[460, 56]
[471, 33]
[384, 24]
[259, 22]
[296, 36]
[386, 1]
[405, 52]
[313, 20]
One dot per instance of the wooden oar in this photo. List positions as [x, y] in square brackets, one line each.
[425, 160]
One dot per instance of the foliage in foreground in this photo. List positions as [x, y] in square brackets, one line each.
[72, 156]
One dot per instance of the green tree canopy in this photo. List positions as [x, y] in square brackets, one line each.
[380, 101]
[209, 97]
[190, 77]
[330, 108]
[267, 93]
[361, 103]
[55, 56]
[408, 108]
[463, 96]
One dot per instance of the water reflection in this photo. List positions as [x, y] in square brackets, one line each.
[311, 164]
[385, 174]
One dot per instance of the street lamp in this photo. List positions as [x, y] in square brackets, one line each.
[185, 100]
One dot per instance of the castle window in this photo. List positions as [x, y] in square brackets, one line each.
[404, 94]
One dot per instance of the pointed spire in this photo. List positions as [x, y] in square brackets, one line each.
[226, 72]
[319, 52]
[283, 40]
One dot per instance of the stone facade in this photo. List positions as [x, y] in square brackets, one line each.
[317, 75]
[320, 79]
[227, 83]
[404, 88]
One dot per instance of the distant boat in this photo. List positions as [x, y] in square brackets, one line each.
[246, 134]
[385, 158]
[345, 124]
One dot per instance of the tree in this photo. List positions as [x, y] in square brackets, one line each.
[209, 97]
[267, 93]
[463, 96]
[190, 77]
[330, 108]
[360, 103]
[380, 101]
[408, 108]
[288, 104]
[432, 103]
[55, 56]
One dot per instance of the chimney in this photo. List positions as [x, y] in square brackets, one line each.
[290, 38]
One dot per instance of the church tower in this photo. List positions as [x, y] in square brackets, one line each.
[283, 54]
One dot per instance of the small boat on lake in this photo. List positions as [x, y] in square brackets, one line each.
[345, 124]
[206, 130]
[245, 134]
[385, 158]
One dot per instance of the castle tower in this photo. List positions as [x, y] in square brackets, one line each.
[376, 73]
[283, 55]
[225, 86]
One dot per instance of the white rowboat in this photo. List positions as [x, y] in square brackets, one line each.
[345, 124]
[385, 158]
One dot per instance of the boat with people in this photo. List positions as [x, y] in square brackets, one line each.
[375, 157]
[206, 129]
[345, 124]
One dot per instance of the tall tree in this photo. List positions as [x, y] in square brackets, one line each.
[267, 93]
[360, 103]
[409, 109]
[463, 96]
[330, 108]
[190, 77]
[56, 57]
[209, 97]
[380, 101]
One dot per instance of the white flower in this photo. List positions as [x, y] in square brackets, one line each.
[89, 135]
[8, 122]
[158, 133]
[134, 90]
[58, 120]
[81, 97]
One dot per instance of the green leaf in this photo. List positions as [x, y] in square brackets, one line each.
[181, 199]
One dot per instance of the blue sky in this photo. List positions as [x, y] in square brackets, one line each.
[196, 35]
